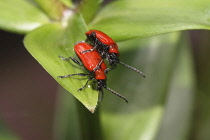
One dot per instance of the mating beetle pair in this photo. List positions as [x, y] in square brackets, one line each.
[99, 46]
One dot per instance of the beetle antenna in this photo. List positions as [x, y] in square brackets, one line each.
[118, 94]
[132, 68]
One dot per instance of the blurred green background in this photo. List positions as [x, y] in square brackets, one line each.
[171, 103]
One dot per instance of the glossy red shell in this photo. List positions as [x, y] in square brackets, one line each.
[90, 59]
[105, 39]
[114, 49]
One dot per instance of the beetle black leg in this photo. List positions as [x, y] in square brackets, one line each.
[90, 49]
[107, 70]
[93, 38]
[71, 58]
[80, 74]
[98, 66]
[85, 84]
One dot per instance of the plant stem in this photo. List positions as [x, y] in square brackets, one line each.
[89, 123]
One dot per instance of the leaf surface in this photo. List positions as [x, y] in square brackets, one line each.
[20, 16]
[125, 19]
[48, 42]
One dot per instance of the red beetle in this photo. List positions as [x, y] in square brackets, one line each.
[107, 48]
[94, 64]
[101, 39]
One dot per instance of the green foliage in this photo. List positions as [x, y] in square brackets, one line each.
[121, 25]
[52, 40]
[125, 19]
[89, 8]
[160, 57]
[20, 16]
[53, 8]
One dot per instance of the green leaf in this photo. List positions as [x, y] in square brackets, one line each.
[180, 100]
[50, 41]
[88, 9]
[53, 8]
[20, 16]
[141, 117]
[125, 19]
[132, 126]
[68, 3]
